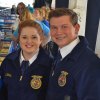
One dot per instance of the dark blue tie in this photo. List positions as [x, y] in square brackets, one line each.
[24, 66]
[58, 58]
[56, 62]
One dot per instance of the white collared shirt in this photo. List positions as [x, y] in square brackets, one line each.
[67, 49]
[30, 60]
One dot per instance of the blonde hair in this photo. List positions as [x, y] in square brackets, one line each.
[26, 15]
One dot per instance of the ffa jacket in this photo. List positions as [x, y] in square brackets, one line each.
[77, 76]
[34, 83]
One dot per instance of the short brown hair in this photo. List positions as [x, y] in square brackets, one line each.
[58, 12]
[30, 23]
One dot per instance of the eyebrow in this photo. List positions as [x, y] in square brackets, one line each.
[26, 35]
[59, 25]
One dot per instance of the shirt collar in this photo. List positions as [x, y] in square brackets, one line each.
[67, 49]
[30, 60]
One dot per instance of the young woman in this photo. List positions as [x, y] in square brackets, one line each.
[26, 81]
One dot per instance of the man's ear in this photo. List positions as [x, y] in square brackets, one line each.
[77, 27]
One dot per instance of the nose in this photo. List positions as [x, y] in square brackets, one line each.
[29, 40]
[59, 30]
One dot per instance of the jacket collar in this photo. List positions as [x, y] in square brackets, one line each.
[41, 58]
[78, 49]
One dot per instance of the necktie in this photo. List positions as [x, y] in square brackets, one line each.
[56, 62]
[24, 66]
[58, 58]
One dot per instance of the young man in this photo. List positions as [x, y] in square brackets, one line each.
[76, 76]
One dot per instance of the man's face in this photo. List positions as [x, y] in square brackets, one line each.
[62, 30]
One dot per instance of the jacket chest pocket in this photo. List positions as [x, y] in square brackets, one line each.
[36, 82]
[10, 80]
[63, 81]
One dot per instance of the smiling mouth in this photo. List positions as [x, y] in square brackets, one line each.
[60, 38]
[28, 46]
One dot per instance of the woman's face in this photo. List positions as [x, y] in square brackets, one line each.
[37, 14]
[29, 40]
[20, 9]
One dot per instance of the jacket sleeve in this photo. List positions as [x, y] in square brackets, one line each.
[88, 86]
[3, 91]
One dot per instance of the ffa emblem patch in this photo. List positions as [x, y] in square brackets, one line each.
[36, 82]
[62, 78]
